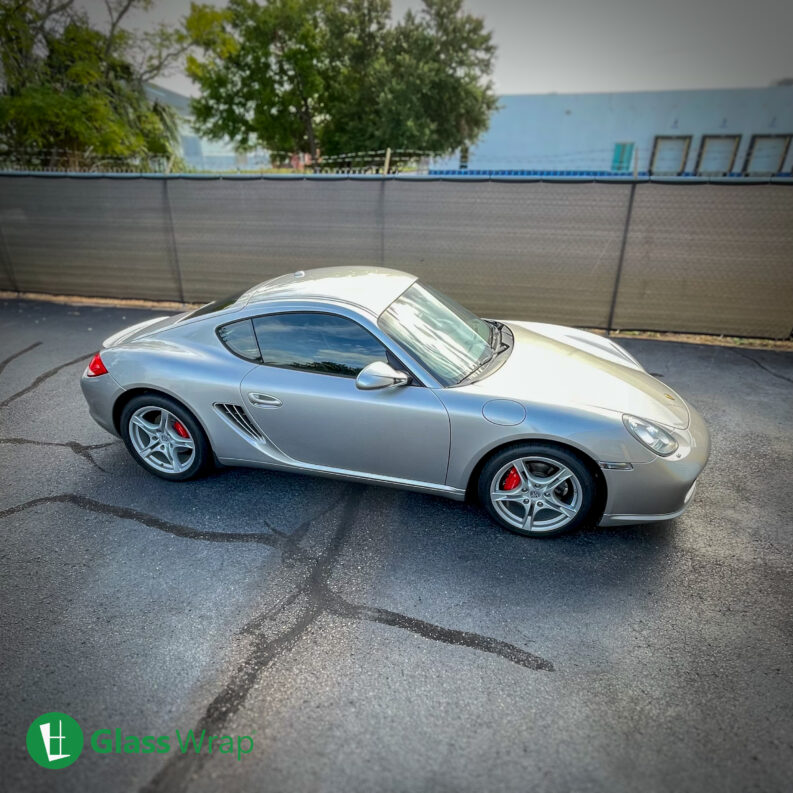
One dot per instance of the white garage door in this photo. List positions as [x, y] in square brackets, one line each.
[717, 154]
[767, 155]
[669, 155]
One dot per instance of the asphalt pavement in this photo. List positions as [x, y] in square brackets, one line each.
[368, 639]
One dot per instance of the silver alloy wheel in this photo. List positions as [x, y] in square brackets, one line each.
[153, 433]
[546, 495]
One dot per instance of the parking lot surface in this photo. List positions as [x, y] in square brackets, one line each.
[376, 640]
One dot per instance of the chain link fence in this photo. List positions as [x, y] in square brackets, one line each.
[68, 161]
[689, 257]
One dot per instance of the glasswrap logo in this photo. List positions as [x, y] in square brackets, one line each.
[55, 740]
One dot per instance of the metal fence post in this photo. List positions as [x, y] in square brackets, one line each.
[621, 261]
[381, 218]
[173, 251]
[5, 257]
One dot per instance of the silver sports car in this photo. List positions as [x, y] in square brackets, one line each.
[371, 375]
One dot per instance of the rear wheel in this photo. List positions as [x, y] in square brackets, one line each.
[537, 490]
[164, 437]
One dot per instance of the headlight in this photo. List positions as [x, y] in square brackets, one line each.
[655, 438]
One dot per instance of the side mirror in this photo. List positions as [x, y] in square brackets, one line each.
[379, 374]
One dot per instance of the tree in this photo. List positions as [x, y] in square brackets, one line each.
[337, 76]
[261, 78]
[436, 96]
[70, 93]
[359, 41]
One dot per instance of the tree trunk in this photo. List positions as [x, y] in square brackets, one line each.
[308, 120]
[309, 124]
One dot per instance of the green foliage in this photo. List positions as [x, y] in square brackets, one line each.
[72, 93]
[338, 76]
[261, 79]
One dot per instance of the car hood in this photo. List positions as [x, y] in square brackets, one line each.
[565, 366]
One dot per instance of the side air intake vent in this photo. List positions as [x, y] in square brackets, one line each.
[239, 418]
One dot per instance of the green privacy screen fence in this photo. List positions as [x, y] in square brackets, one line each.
[708, 258]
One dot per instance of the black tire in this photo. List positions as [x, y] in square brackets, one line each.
[202, 453]
[567, 493]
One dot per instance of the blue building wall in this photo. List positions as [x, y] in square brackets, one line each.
[581, 132]
[202, 154]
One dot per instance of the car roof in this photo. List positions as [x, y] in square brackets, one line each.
[371, 288]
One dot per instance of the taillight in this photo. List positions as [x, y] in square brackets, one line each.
[96, 367]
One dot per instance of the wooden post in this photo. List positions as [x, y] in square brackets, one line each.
[387, 163]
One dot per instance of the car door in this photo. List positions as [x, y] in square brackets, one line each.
[304, 398]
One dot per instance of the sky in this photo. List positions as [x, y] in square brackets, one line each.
[583, 46]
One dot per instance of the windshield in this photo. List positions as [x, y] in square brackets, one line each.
[446, 338]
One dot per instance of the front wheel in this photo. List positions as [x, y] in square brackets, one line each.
[164, 437]
[537, 490]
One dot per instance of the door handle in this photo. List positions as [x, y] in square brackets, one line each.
[265, 400]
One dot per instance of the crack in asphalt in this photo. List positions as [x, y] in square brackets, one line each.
[762, 365]
[80, 449]
[317, 599]
[281, 542]
[42, 377]
[314, 594]
[428, 630]
[174, 776]
[10, 358]
[316, 583]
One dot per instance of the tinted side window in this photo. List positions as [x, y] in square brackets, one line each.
[239, 338]
[323, 343]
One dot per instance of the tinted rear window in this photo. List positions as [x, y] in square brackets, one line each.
[215, 305]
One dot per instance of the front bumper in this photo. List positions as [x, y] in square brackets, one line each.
[101, 394]
[661, 489]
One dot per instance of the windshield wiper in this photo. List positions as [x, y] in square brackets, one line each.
[497, 328]
[495, 331]
[503, 346]
[480, 365]
[478, 368]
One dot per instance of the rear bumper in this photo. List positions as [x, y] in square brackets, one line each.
[101, 394]
[661, 489]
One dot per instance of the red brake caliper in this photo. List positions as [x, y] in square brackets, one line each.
[180, 429]
[511, 480]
